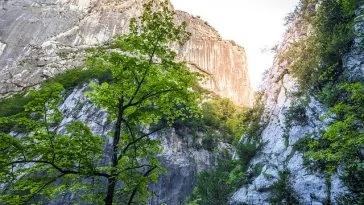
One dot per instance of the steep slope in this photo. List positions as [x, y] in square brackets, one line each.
[39, 39]
[289, 118]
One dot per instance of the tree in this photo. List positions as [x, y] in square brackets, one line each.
[148, 90]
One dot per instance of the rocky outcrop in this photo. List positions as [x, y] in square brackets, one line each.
[225, 65]
[280, 133]
[180, 158]
[40, 38]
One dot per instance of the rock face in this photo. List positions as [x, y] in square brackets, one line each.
[224, 63]
[181, 160]
[40, 38]
[279, 136]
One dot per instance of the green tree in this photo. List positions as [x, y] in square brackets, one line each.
[214, 187]
[147, 90]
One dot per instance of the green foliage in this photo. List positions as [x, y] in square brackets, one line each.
[138, 77]
[282, 192]
[52, 154]
[331, 28]
[255, 122]
[229, 119]
[68, 79]
[316, 61]
[215, 187]
[13, 105]
[220, 121]
[246, 152]
[354, 180]
[296, 115]
[342, 141]
[78, 76]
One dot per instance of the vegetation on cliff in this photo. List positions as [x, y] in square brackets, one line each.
[138, 76]
[215, 187]
[316, 60]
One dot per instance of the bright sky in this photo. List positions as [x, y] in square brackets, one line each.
[253, 24]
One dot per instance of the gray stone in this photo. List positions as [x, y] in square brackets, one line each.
[51, 36]
[309, 187]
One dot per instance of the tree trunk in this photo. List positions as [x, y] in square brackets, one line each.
[110, 191]
[114, 156]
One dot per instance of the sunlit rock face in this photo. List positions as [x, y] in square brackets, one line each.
[224, 63]
[40, 38]
[280, 135]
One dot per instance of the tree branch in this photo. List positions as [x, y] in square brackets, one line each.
[144, 74]
[136, 188]
[137, 167]
[150, 95]
[137, 140]
[44, 186]
[64, 171]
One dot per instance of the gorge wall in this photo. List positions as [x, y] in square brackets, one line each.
[40, 38]
[280, 134]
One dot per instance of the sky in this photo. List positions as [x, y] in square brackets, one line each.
[257, 25]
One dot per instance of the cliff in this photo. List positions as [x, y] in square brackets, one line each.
[39, 39]
[281, 133]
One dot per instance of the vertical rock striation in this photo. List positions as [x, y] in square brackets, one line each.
[225, 66]
[40, 38]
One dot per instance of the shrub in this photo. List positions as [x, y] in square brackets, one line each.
[215, 187]
[13, 105]
[78, 76]
[220, 121]
[69, 79]
[354, 179]
[331, 29]
[245, 153]
[282, 192]
[316, 62]
[296, 115]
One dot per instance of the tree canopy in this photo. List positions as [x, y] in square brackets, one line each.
[145, 91]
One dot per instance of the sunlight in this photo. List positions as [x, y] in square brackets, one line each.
[256, 25]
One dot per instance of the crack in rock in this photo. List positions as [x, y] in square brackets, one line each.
[2, 47]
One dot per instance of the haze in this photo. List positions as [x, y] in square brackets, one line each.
[257, 25]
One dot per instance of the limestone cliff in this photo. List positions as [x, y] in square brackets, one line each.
[40, 38]
[279, 135]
